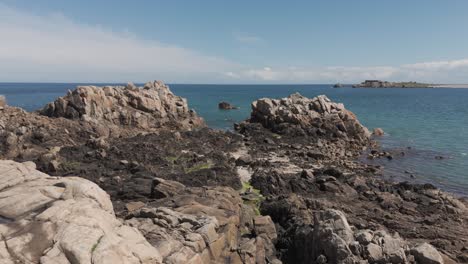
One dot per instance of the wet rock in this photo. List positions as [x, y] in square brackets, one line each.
[226, 106]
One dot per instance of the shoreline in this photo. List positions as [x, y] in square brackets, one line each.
[282, 175]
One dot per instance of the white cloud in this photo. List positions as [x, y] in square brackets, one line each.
[54, 48]
[247, 38]
[318, 74]
[455, 71]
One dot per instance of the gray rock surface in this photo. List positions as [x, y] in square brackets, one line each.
[334, 240]
[427, 254]
[317, 116]
[53, 220]
[150, 106]
[205, 225]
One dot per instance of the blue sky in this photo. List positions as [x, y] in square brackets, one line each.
[234, 41]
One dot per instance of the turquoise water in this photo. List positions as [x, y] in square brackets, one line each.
[433, 122]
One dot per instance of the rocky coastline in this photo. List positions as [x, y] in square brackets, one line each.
[132, 175]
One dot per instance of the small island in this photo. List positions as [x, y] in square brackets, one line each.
[385, 84]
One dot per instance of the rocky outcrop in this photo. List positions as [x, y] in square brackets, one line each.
[330, 208]
[332, 240]
[304, 198]
[318, 117]
[27, 136]
[52, 220]
[150, 106]
[204, 225]
[335, 241]
[226, 106]
[378, 132]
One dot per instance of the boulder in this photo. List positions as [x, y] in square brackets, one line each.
[226, 106]
[378, 132]
[62, 220]
[426, 254]
[333, 240]
[331, 236]
[165, 188]
[150, 106]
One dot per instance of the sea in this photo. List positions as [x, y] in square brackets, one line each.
[429, 125]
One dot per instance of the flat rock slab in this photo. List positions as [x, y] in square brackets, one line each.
[62, 220]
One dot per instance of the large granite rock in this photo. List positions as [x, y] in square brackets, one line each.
[150, 106]
[333, 240]
[204, 225]
[53, 220]
[318, 117]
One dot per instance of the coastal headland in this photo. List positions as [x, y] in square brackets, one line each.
[126, 174]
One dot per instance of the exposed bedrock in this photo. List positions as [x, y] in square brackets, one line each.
[204, 225]
[92, 114]
[177, 195]
[52, 220]
[328, 207]
[150, 106]
[55, 220]
[317, 117]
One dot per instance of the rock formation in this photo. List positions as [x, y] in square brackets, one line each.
[307, 175]
[62, 220]
[204, 225]
[378, 132]
[316, 117]
[286, 186]
[226, 106]
[150, 106]
[71, 220]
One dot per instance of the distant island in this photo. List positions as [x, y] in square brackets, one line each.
[385, 84]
